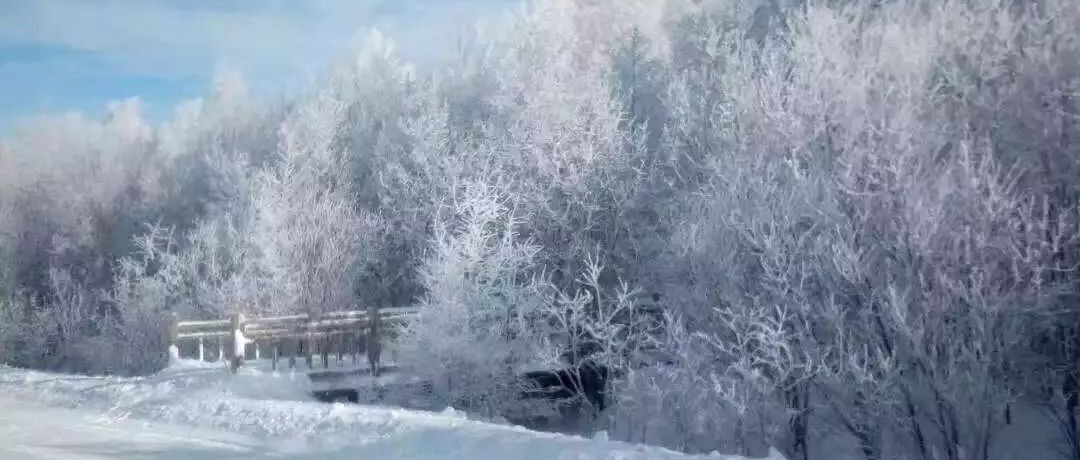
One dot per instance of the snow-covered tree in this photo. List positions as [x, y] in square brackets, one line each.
[857, 219]
[477, 328]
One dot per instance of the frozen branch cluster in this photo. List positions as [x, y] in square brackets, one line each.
[827, 226]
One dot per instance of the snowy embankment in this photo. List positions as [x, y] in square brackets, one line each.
[275, 410]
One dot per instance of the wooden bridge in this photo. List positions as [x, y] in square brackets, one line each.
[284, 339]
[325, 344]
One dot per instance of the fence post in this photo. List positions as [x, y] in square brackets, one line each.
[373, 348]
[309, 361]
[173, 337]
[276, 350]
[324, 351]
[339, 342]
[354, 347]
[237, 355]
[292, 349]
[310, 341]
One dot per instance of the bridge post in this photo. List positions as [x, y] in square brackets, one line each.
[307, 353]
[237, 355]
[354, 347]
[324, 351]
[291, 350]
[173, 338]
[339, 346]
[373, 347]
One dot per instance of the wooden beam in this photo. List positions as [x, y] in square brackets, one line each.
[207, 334]
[202, 324]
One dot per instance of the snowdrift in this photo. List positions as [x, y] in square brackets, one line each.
[277, 408]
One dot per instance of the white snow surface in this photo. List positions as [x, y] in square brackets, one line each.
[198, 411]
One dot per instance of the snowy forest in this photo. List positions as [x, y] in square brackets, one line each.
[821, 225]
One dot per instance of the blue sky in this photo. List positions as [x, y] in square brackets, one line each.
[63, 55]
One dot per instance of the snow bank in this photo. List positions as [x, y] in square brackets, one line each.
[277, 408]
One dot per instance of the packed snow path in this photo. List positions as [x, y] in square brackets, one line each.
[203, 413]
[32, 431]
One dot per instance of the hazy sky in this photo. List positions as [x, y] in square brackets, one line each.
[59, 55]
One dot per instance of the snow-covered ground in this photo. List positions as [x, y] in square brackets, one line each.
[196, 411]
[31, 430]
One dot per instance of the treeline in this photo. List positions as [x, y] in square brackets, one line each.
[828, 226]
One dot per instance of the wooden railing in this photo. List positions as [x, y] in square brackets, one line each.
[289, 337]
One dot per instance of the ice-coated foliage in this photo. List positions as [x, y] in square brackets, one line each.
[803, 224]
[478, 328]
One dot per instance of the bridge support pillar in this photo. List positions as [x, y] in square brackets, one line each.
[238, 342]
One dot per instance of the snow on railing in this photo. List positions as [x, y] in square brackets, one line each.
[340, 332]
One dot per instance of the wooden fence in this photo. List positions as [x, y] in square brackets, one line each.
[341, 333]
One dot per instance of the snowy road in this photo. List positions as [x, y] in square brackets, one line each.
[33, 431]
[203, 413]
